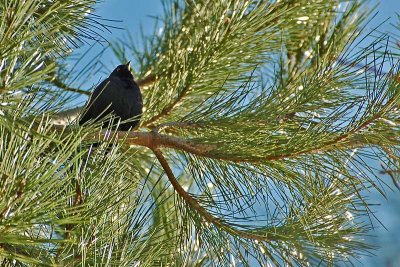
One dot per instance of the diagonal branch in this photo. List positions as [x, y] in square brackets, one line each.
[179, 189]
[208, 217]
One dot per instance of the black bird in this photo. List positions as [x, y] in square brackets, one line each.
[118, 95]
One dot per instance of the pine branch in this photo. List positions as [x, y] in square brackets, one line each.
[154, 139]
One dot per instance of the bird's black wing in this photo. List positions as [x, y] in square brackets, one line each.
[122, 97]
[131, 106]
[99, 101]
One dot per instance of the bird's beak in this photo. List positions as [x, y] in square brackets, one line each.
[129, 65]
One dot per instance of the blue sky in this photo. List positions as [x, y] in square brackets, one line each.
[136, 13]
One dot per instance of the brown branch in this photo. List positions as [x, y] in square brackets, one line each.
[208, 217]
[182, 144]
[154, 139]
[178, 188]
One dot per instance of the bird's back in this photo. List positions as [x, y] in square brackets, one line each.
[115, 95]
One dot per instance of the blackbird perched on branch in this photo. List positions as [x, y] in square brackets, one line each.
[118, 95]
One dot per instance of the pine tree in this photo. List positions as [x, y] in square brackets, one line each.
[264, 126]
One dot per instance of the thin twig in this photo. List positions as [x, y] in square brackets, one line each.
[326, 146]
[390, 173]
[67, 88]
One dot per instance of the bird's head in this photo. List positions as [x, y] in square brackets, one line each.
[123, 71]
